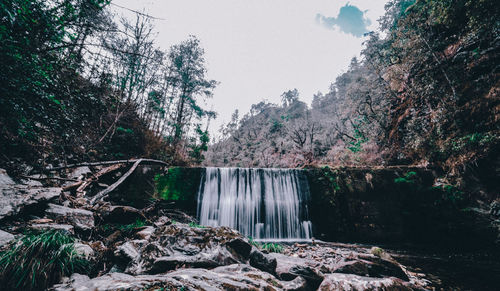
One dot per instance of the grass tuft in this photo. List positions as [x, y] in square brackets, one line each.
[39, 260]
[270, 247]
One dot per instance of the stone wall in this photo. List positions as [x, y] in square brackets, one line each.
[393, 205]
[373, 205]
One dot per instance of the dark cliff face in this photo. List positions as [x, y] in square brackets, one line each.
[394, 205]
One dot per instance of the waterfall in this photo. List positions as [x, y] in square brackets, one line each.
[266, 204]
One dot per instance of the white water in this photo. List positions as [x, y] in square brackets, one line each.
[268, 204]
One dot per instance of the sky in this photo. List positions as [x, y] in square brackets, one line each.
[258, 49]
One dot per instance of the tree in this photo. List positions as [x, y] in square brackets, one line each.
[289, 97]
[188, 76]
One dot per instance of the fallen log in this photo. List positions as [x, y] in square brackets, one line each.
[148, 161]
[113, 186]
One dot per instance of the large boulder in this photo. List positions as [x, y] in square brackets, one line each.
[349, 282]
[79, 218]
[17, 198]
[262, 261]
[288, 268]
[371, 266]
[172, 246]
[232, 277]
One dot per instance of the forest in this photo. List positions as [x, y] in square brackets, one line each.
[111, 177]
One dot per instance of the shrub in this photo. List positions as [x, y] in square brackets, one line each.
[39, 260]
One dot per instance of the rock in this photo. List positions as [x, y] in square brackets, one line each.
[162, 220]
[79, 218]
[359, 283]
[232, 277]
[312, 276]
[80, 173]
[122, 214]
[240, 246]
[145, 232]
[5, 179]
[379, 252]
[32, 183]
[16, 199]
[288, 268]
[84, 250]
[179, 245]
[5, 238]
[127, 252]
[371, 266]
[262, 262]
[285, 263]
[65, 227]
[40, 221]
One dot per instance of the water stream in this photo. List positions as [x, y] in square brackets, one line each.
[265, 204]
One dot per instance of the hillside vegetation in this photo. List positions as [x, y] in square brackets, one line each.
[77, 84]
[425, 93]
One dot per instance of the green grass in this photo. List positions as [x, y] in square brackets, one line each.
[193, 224]
[270, 247]
[137, 224]
[39, 260]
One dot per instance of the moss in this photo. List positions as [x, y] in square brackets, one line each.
[408, 178]
[177, 184]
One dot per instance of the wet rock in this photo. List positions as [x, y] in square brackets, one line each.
[179, 245]
[312, 276]
[79, 218]
[240, 247]
[65, 227]
[16, 199]
[5, 238]
[288, 268]
[262, 262]
[371, 266]
[359, 283]
[285, 263]
[232, 277]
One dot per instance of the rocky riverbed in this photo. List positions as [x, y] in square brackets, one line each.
[160, 248]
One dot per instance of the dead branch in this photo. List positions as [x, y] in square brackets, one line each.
[106, 191]
[149, 161]
[48, 178]
[66, 188]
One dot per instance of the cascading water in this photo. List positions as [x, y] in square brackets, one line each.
[266, 204]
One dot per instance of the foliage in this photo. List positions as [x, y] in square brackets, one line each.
[408, 178]
[424, 92]
[38, 260]
[129, 227]
[269, 247]
[78, 83]
[195, 225]
[272, 247]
